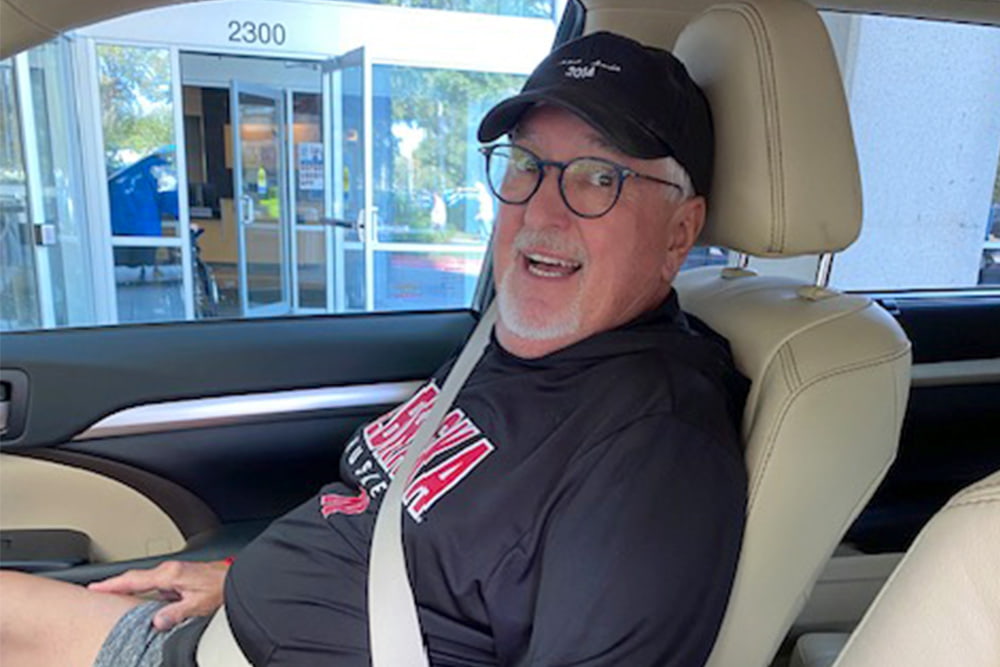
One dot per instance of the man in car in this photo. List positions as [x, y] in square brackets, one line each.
[582, 502]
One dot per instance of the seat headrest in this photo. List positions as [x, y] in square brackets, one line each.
[786, 173]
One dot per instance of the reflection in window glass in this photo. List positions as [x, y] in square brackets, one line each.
[430, 186]
[149, 284]
[425, 280]
[138, 123]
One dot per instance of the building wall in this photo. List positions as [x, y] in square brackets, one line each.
[925, 105]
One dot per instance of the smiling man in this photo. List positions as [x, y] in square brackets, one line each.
[580, 253]
[582, 502]
[602, 123]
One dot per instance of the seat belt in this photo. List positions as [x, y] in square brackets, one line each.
[393, 624]
[217, 646]
[396, 639]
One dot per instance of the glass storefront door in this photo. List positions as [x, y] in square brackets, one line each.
[311, 275]
[44, 263]
[19, 308]
[349, 209]
[259, 177]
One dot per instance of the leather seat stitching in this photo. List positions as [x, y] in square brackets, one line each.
[965, 503]
[764, 54]
[785, 359]
[778, 422]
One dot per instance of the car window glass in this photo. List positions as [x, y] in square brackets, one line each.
[230, 160]
[923, 98]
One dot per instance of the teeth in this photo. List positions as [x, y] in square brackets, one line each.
[534, 269]
[550, 267]
[554, 261]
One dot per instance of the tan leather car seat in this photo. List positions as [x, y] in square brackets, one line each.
[941, 606]
[830, 371]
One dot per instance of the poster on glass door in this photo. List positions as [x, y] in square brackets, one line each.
[310, 166]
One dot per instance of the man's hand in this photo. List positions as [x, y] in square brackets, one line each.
[195, 589]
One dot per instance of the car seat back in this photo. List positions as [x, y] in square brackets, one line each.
[829, 371]
[941, 606]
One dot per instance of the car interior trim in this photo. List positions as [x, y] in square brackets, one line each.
[224, 410]
[189, 513]
[846, 586]
[30, 484]
[972, 371]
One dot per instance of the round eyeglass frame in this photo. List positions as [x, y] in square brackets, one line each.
[623, 174]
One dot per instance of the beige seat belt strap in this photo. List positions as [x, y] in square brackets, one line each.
[393, 624]
[217, 646]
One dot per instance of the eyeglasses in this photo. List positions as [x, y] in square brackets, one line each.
[589, 186]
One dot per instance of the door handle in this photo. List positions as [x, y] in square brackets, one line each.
[337, 222]
[4, 406]
[13, 403]
[246, 209]
[359, 226]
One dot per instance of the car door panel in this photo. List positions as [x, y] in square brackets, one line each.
[76, 377]
[120, 521]
[217, 479]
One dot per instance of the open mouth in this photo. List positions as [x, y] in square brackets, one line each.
[546, 266]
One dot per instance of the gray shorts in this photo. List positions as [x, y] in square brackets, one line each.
[133, 642]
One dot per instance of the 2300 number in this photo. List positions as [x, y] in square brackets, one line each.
[249, 32]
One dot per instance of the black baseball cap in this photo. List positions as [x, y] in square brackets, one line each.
[640, 97]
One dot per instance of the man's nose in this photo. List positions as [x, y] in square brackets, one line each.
[547, 208]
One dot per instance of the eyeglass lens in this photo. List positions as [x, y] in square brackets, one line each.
[590, 186]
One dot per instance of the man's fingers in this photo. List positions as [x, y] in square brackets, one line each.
[193, 589]
[169, 616]
[175, 613]
[131, 582]
[162, 577]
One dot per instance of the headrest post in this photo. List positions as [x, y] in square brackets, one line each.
[740, 267]
[823, 270]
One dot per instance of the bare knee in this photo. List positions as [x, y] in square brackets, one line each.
[17, 613]
[17, 600]
[46, 622]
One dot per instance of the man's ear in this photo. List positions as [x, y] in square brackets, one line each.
[684, 227]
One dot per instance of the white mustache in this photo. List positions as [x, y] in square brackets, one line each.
[549, 241]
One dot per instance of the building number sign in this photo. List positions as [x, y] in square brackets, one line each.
[252, 32]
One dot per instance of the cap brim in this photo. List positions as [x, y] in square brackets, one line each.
[624, 131]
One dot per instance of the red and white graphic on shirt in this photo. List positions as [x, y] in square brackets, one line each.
[332, 503]
[458, 443]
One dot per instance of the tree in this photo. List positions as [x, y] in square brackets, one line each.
[136, 102]
[447, 105]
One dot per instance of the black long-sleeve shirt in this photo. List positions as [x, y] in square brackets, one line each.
[584, 508]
